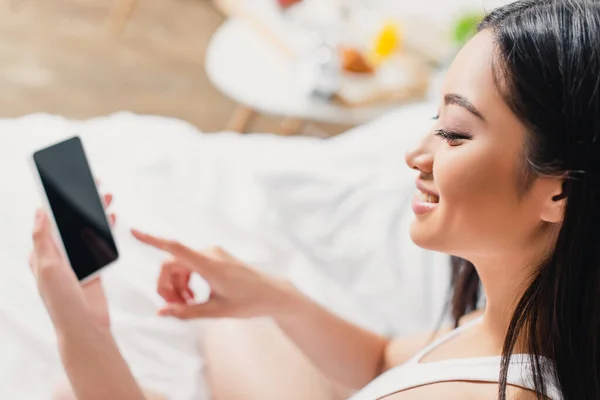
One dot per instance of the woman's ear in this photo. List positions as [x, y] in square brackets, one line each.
[555, 200]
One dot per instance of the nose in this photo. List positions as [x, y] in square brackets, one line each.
[420, 158]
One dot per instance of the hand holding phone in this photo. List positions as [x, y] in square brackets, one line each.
[77, 212]
[59, 288]
[62, 295]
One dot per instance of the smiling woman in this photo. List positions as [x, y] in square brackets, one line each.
[526, 181]
[508, 184]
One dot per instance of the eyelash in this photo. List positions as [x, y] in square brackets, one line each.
[451, 137]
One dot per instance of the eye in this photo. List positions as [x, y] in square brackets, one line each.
[436, 117]
[453, 138]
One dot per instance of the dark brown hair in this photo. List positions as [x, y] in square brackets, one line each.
[547, 68]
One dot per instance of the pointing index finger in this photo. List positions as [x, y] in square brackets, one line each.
[195, 260]
[153, 241]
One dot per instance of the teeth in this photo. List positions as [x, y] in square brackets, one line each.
[429, 198]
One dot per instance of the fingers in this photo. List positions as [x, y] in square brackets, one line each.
[43, 244]
[188, 294]
[182, 286]
[108, 198]
[173, 283]
[219, 253]
[45, 257]
[166, 287]
[189, 257]
[169, 246]
[211, 309]
[93, 283]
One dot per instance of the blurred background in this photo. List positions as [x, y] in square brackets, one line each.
[147, 84]
[245, 65]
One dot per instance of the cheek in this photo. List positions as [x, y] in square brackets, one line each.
[471, 179]
[478, 197]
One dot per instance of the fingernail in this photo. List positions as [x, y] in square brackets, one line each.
[165, 312]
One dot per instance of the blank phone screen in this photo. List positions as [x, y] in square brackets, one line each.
[76, 205]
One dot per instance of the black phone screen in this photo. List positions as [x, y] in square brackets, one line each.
[76, 205]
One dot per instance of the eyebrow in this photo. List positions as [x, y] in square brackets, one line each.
[457, 99]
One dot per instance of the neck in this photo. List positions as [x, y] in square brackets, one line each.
[504, 279]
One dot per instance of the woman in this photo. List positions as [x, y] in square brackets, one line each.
[508, 183]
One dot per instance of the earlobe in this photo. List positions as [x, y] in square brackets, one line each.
[554, 204]
[559, 196]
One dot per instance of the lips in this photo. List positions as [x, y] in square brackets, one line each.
[425, 200]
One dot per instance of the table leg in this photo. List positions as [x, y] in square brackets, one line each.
[292, 126]
[241, 119]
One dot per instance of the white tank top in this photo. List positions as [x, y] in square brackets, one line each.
[483, 369]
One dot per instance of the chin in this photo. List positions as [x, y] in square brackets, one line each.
[426, 237]
[437, 240]
[423, 237]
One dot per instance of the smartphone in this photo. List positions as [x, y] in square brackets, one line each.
[77, 210]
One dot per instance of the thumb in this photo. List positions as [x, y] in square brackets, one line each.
[43, 242]
[210, 309]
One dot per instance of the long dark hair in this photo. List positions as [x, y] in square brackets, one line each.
[547, 67]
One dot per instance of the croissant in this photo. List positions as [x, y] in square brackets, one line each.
[354, 61]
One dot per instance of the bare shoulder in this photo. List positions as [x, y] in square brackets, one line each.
[517, 393]
[403, 349]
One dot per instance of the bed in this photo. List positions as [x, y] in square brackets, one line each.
[331, 215]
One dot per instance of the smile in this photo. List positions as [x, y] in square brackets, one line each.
[428, 198]
[425, 200]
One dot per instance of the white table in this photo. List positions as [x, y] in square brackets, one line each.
[244, 65]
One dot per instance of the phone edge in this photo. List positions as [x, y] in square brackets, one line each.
[46, 206]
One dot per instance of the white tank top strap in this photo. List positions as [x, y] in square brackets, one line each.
[441, 340]
[483, 369]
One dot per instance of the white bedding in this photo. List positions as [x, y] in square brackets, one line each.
[331, 215]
